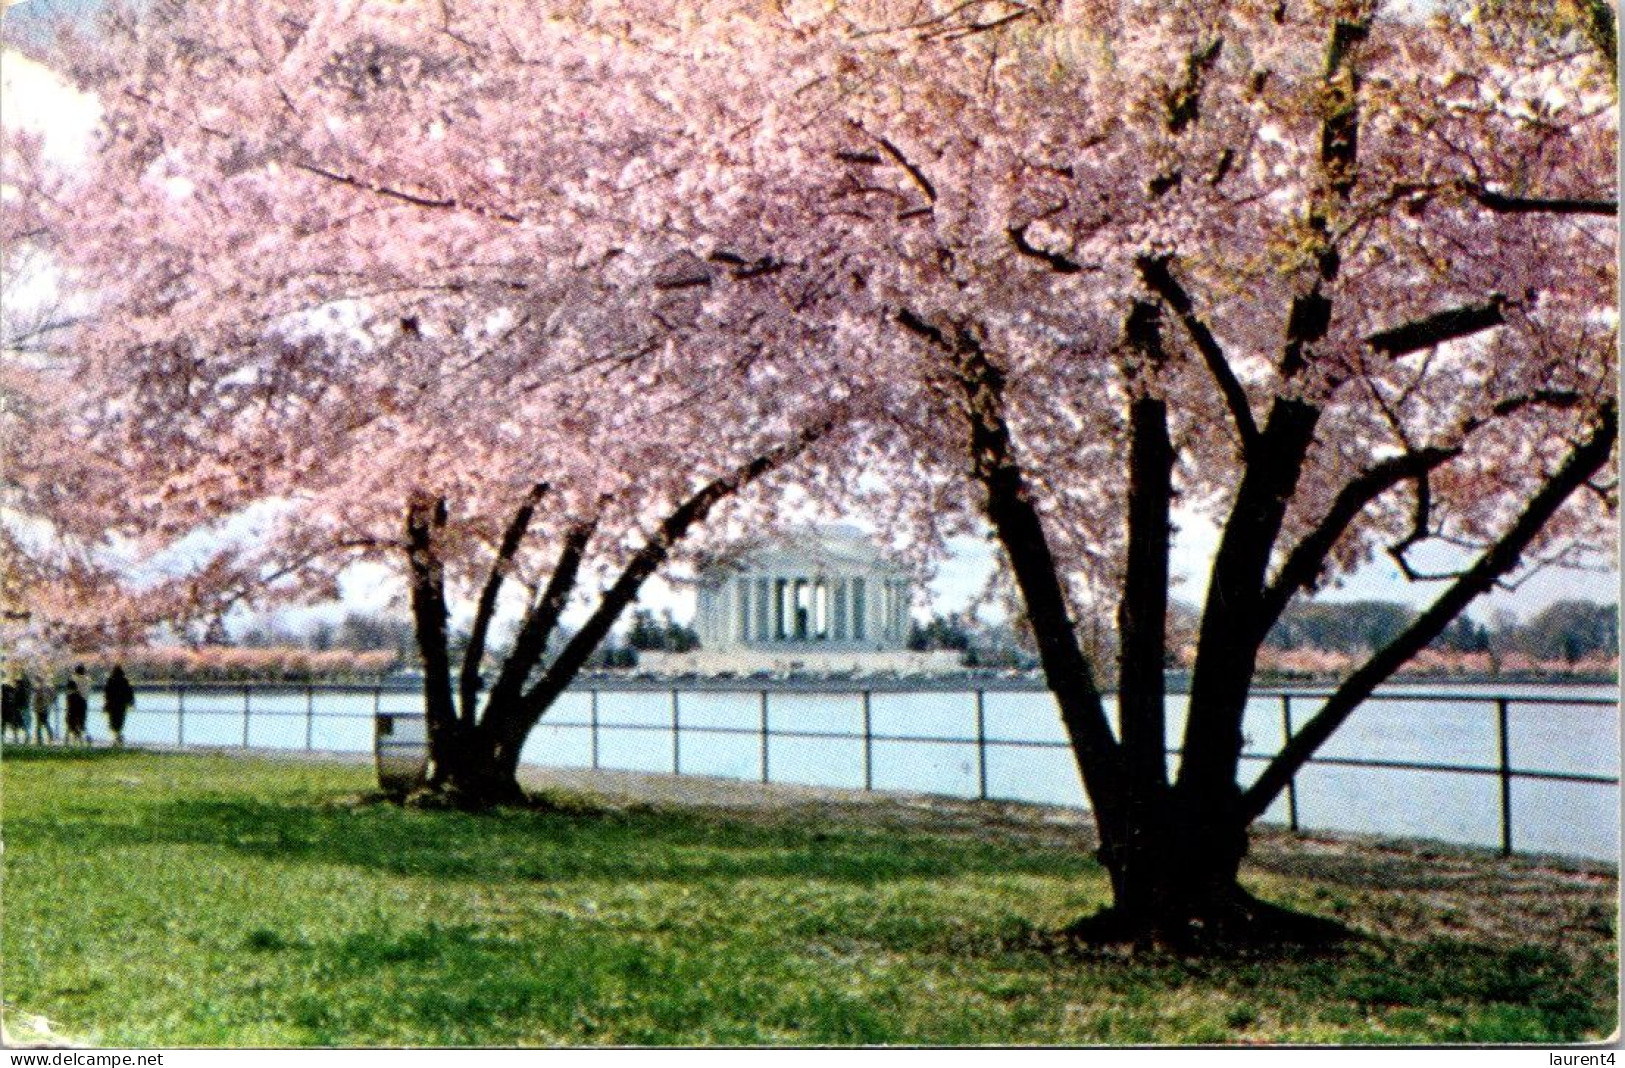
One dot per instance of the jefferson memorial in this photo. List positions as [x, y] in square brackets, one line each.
[820, 599]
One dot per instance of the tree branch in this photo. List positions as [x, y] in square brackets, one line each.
[1142, 613]
[1499, 559]
[415, 199]
[1310, 314]
[1020, 530]
[1438, 328]
[1184, 101]
[1302, 565]
[469, 689]
[1504, 204]
[530, 644]
[1158, 276]
[1301, 568]
[1057, 262]
[896, 154]
[425, 518]
[1600, 28]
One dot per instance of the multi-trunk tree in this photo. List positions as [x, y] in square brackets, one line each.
[1336, 276]
[404, 283]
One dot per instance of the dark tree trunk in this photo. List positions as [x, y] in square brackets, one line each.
[1143, 884]
[474, 772]
[1183, 893]
[474, 759]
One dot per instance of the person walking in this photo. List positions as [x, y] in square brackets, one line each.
[78, 690]
[117, 698]
[44, 699]
[23, 695]
[10, 712]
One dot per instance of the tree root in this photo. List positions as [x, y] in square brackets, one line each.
[451, 798]
[1236, 924]
[460, 797]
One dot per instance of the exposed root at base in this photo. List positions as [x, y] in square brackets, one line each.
[1240, 926]
[449, 798]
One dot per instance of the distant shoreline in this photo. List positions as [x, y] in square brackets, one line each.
[1443, 678]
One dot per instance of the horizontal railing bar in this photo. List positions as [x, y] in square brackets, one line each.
[854, 687]
[266, 713]
[1565, 776]
[1464, 698]
[1460, 769]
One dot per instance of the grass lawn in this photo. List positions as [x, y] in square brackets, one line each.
[174, 900]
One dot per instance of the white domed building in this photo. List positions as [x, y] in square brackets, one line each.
[816, 600]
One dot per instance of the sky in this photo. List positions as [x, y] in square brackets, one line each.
[32, 96]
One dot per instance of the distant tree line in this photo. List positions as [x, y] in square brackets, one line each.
[1565, 631]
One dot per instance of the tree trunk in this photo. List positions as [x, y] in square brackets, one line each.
[1175, 886]
[474, 770]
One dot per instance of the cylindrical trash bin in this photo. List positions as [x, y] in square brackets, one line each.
[400, 742]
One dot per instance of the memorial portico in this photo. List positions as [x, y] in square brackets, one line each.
[827, 590]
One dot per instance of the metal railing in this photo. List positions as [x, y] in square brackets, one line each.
[598, 726]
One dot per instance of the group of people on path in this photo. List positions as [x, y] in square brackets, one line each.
[27, 702]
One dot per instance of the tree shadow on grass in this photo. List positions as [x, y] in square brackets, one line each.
[525, 845]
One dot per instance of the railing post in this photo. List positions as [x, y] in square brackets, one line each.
[868, 746]
[981, 746]
[1292, 783]
[676, 736]
[592, 720]
[764, 735]
[1505, 768]
[180, 715]
[248, 693]
[310, 716]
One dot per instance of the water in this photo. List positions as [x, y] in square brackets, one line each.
[925, 742]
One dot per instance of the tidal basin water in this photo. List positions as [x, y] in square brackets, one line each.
[926, 740]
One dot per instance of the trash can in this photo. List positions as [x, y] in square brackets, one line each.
[400, 742]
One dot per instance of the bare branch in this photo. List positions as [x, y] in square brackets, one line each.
[1583, 462]
[1184, 101]
[1301, 568]
[1020, 529]
[1310, 314]
[1159, 278]
[530, 644]
[425, 518]
[644, 563]
[1504, 204]
[415, 199]
[469, 683]
[1142, 613]
[1057, 262]
[1440, 327]
[896, 154]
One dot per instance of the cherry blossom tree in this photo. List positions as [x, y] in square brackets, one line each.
[402, 282]
[1334, 275]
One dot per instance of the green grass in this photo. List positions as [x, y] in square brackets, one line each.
[186, 900]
